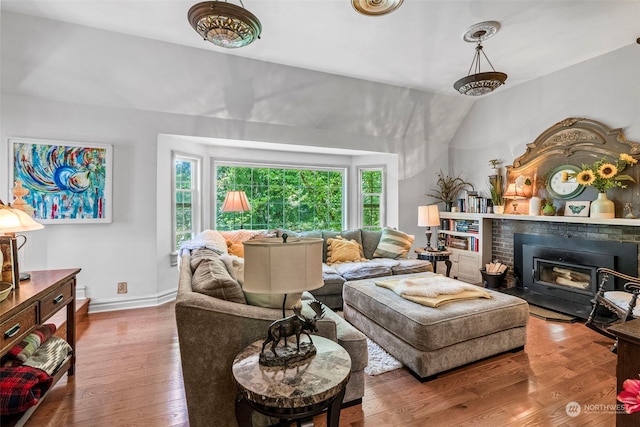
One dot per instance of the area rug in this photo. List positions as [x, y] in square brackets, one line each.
[379, 360]
[543, 313]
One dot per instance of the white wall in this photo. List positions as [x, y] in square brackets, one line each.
[67, 82]
[605, 89]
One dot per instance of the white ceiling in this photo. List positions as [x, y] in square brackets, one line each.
[418, 46]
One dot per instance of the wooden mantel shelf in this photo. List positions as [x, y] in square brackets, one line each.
[541, 218]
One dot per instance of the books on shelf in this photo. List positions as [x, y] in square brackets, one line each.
[467, 243]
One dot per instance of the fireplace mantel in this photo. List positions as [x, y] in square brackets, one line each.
[540, 218]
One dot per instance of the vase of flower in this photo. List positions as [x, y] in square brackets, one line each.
[602, 207]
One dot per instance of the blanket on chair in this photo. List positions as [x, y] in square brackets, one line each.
[433, 290]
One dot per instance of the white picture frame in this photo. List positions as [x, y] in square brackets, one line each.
[68, 182]
[577, 208]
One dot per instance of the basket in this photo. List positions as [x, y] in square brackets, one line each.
[492, 280]
[5, 290]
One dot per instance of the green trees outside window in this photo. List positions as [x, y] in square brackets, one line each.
[371, 190]
[185, 199]
[290, 198]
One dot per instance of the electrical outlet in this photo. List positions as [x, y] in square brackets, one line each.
[122, 287]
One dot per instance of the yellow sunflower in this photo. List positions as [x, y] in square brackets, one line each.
[627, 158]
[565, 176]
[607, 170]
[585, 177]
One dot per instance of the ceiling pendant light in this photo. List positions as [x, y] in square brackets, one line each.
[375, 7]
[480, 83]
[224, 24]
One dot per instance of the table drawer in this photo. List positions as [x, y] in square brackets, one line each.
[17, 326]
[55, 299]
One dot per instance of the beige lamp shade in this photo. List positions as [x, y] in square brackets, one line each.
[236, 201]
[14, 220]
[274, 267]
[428, 216]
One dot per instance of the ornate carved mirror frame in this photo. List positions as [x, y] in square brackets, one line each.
[573, 141]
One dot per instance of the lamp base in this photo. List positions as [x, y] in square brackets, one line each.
[288, 355]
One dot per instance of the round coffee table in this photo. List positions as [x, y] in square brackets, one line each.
[292, 392]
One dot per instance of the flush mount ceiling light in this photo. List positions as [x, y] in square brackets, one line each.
[224, 24]
[480, 83]
[376, 7]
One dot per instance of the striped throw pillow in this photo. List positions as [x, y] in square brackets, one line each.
[393, 244]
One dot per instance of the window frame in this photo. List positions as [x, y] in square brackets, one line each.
[343, 170]
[196, 195]
[381, 195]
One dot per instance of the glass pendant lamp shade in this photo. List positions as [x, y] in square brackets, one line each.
[224, 24]
[480, 83]
[375, 7]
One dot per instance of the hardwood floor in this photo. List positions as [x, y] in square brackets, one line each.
[128, 374]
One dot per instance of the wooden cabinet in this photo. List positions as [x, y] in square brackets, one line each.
[628, 366]
[468, 237]
[31, 305]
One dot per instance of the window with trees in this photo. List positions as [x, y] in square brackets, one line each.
[282, 197]
[186, 200]
[371, 198]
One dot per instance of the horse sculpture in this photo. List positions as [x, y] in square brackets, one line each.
[293, 325]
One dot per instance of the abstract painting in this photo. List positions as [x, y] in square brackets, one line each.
[68, 182]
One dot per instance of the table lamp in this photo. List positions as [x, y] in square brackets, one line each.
[282, 266]
[428, 216]
[236, 201]
[514, 193]
[12, 221]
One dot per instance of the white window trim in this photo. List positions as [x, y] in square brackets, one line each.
[361, 195]
[196, 199]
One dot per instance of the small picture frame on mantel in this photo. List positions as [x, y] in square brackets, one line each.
[577, 208]
[9, 252]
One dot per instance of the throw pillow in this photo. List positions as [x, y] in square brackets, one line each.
[393, 244]
[212, 278]
[235, 248]
[235, 267]
[342, 250]
[213, 240]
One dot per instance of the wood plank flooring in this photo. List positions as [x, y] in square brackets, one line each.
[128, 374]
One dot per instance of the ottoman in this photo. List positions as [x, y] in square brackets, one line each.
[433, 340]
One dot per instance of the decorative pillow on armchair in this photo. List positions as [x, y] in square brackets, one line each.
[393, 244]
[342, 250]
[212, 278]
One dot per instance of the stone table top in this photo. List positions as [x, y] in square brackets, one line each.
[308, 383]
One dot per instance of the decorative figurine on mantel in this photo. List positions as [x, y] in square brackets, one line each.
[628, 208]
[296, 324]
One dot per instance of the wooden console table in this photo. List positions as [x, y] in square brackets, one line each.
[628, 366]
[31, 305]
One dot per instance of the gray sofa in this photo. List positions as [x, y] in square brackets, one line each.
[212, 331]
[335, 275]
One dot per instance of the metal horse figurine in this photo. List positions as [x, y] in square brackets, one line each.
[293, 325]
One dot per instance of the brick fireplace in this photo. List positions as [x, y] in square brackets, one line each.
[619, 250]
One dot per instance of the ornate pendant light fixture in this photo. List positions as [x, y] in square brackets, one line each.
[376, 7]
[480, 83]
[224, 24]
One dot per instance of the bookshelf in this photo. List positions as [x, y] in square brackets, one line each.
[468, 237]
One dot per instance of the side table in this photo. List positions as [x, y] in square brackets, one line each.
[292, 392]
[434, 257]
[628, 364]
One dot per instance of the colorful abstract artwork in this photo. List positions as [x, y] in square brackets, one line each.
[67, 182]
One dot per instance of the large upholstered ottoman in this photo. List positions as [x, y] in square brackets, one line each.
[433, 340]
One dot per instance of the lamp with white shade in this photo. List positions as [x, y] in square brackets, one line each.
[428, 216]
[236, 201]
[14, 221]
[283, 266]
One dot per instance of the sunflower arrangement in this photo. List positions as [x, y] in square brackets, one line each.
[604, 174]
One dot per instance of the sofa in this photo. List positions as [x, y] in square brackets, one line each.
[212, 330]
[384, 253]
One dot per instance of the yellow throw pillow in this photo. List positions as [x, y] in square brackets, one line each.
[235, 248]
[342, 250]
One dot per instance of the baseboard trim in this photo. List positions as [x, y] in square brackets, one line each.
[99, 306]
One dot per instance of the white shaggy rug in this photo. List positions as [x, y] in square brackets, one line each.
[379, 360]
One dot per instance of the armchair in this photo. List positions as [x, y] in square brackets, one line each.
[622, 304]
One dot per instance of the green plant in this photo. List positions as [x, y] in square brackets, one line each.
[448, 188]
[496, 189]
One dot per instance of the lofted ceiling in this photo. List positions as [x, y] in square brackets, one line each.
[418, 46]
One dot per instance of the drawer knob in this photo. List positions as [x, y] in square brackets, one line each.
[58, 299]
[12, 331]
